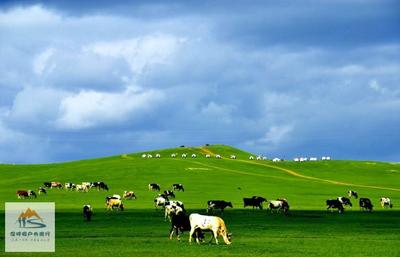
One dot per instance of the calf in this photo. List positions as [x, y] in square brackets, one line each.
[180, 223]
[129, 195]
[42, 190]
[386, 202]
[178, 187]
[255, 201]
[154, 186]
[334, 204]
[365, 204]
[218, 204]
[352, 193]
[87, 212]
[213, 223]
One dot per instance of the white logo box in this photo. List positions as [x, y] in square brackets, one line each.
[29, 227]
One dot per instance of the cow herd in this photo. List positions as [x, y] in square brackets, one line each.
[364, 203]
[196, 224]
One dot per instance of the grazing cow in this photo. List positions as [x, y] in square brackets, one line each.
[169, 193]
[251, 157]
[22, 194]
[83, 188]
[47, 184]
[88, 184]
[113, 203]
[208, 156]
[149, 156]
[233, 157]
[278, 205]
[56, 184]
[154, 186]
[213, 223]
[87, 212]
[180, 223]
[173, 155]
[386, 202]
[160, 201]
[184, 155]
[334, 204]
[69, 186]
[255, 201]
[365, 204]
[345, 201]
[42, 190]
[352, 193]
[218, 204]
[99, 185]
[129, 195]
[194, 155]
[144, 155]
[218, 156]
[258, 158]
[178, 187]
[158, 155]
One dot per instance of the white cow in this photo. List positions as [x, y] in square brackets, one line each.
[158, 155]
[184, 155]
[172, 209]
[276, 160]
[173, 155]
[149, 156]
[218, 156]
[213, 223]
[233, 156]
[386, 202]
[144, 155]
[194, 155]
[258, 158]
[251, 157]
[280, 204]
[159, 201]
[208, 156]
[82, 187]
[264, 158]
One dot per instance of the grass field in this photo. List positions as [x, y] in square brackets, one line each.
[141, 230]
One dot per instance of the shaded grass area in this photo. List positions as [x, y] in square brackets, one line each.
[255, 233]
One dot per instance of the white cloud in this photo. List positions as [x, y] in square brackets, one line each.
[42, 62]
[90, 108]
[276, 134]
[28, 16]
[141, 52]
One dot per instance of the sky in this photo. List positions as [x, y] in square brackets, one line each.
[86, 79]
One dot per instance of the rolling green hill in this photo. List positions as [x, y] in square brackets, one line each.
[142, 231]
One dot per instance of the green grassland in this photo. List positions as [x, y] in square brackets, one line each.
[141, 230]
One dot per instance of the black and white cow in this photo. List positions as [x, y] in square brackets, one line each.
[42, 190]
[334, 204]
[181, 223]
[69, 186]
[154, 186]
[160, 201]
[366, 204]
[178, 187]
[255, 201]
[87, 212]
[352, 193]
[218, 204]
[169, 193]
[345, 201]
[386, 202]
[99, 185]
[279, 204]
